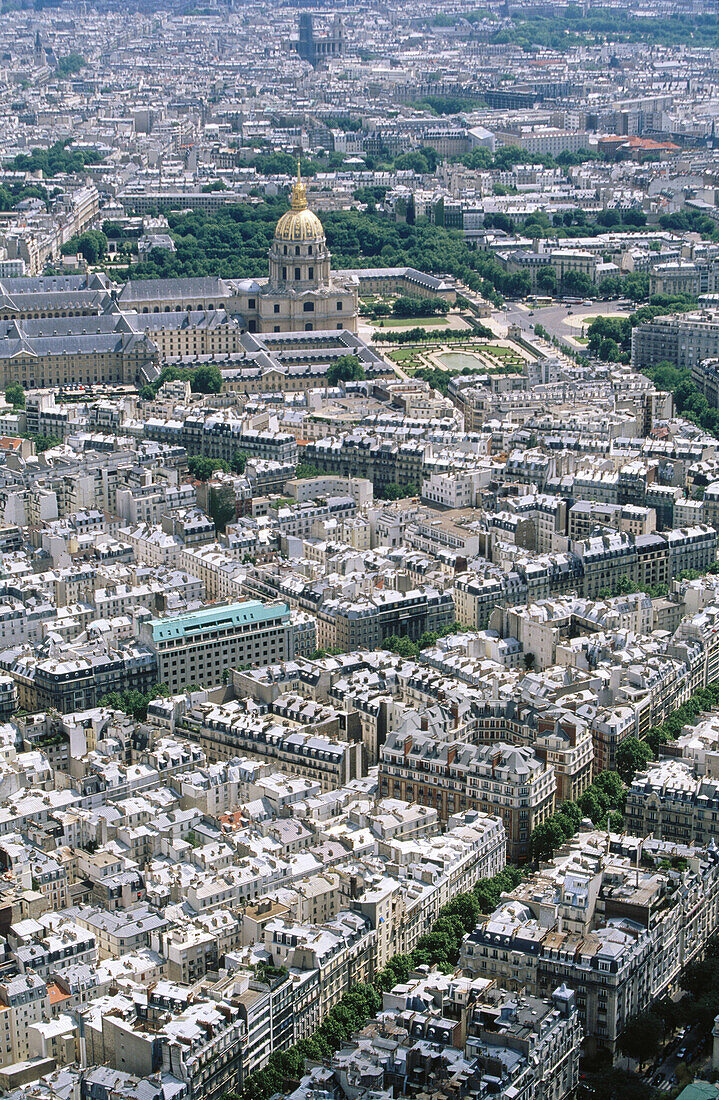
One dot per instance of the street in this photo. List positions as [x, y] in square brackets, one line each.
[554, 317]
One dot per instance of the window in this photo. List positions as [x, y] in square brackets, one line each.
[276, 328]
[298, 274]
[339, 306]
[276, 307]
[284, 272]
[308, 327]
[250, 303]
[309, 307]
[311, 273]
[309, 249]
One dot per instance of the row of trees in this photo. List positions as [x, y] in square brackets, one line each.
[419, 335]
[576, 26]
[573, 223]
[705, 699]
[409, 306]
[234, 240]
[233, 243]
[438, 947]
[626, 587]
[688, 399]
[604, 798]
[395, 491]
[602, 801]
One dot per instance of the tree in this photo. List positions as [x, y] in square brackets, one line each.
[55, 160]
[44, 442]
[402, 645]
[632, 755]
[346, 368]
[92, 245]
[408, 306]
[308, 469]
[576, 282]
[221, 506]
[641, 1036]
[238, 462]
[202, 468]
[206, 379]
[394, 491]
[15, 395]
[547, 280]
[517, 286]
[546, 838]
[609, 351]
[72, 63]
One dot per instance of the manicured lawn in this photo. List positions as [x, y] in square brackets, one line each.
[404, 356]
[500, 352]
[411, 322]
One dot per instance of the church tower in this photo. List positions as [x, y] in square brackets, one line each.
[302, 292]
[299, 257]
[38, 52]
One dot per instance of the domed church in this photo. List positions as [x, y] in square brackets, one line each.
[302, 292]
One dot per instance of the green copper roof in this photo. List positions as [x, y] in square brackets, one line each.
[213, 618]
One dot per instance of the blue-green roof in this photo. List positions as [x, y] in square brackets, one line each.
[212, 618]
[699, 1090]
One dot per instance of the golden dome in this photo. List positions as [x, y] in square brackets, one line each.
[299, 223]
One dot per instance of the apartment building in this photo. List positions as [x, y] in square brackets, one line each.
[670, 802]
[50, 360]
[23, 1001]
[78, 679]
[365, 456]
[225, 731]
[342, 950]
[451, 776]
[366, 620]
[199, 1042]
[594, 565]
[684, 340]
[607, 919]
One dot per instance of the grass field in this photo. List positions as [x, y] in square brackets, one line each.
[411, 322]
[404, 357]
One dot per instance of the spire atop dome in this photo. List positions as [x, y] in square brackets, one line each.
[299, 194]
[299, 223]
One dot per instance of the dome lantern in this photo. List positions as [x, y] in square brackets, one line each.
[299, 223]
